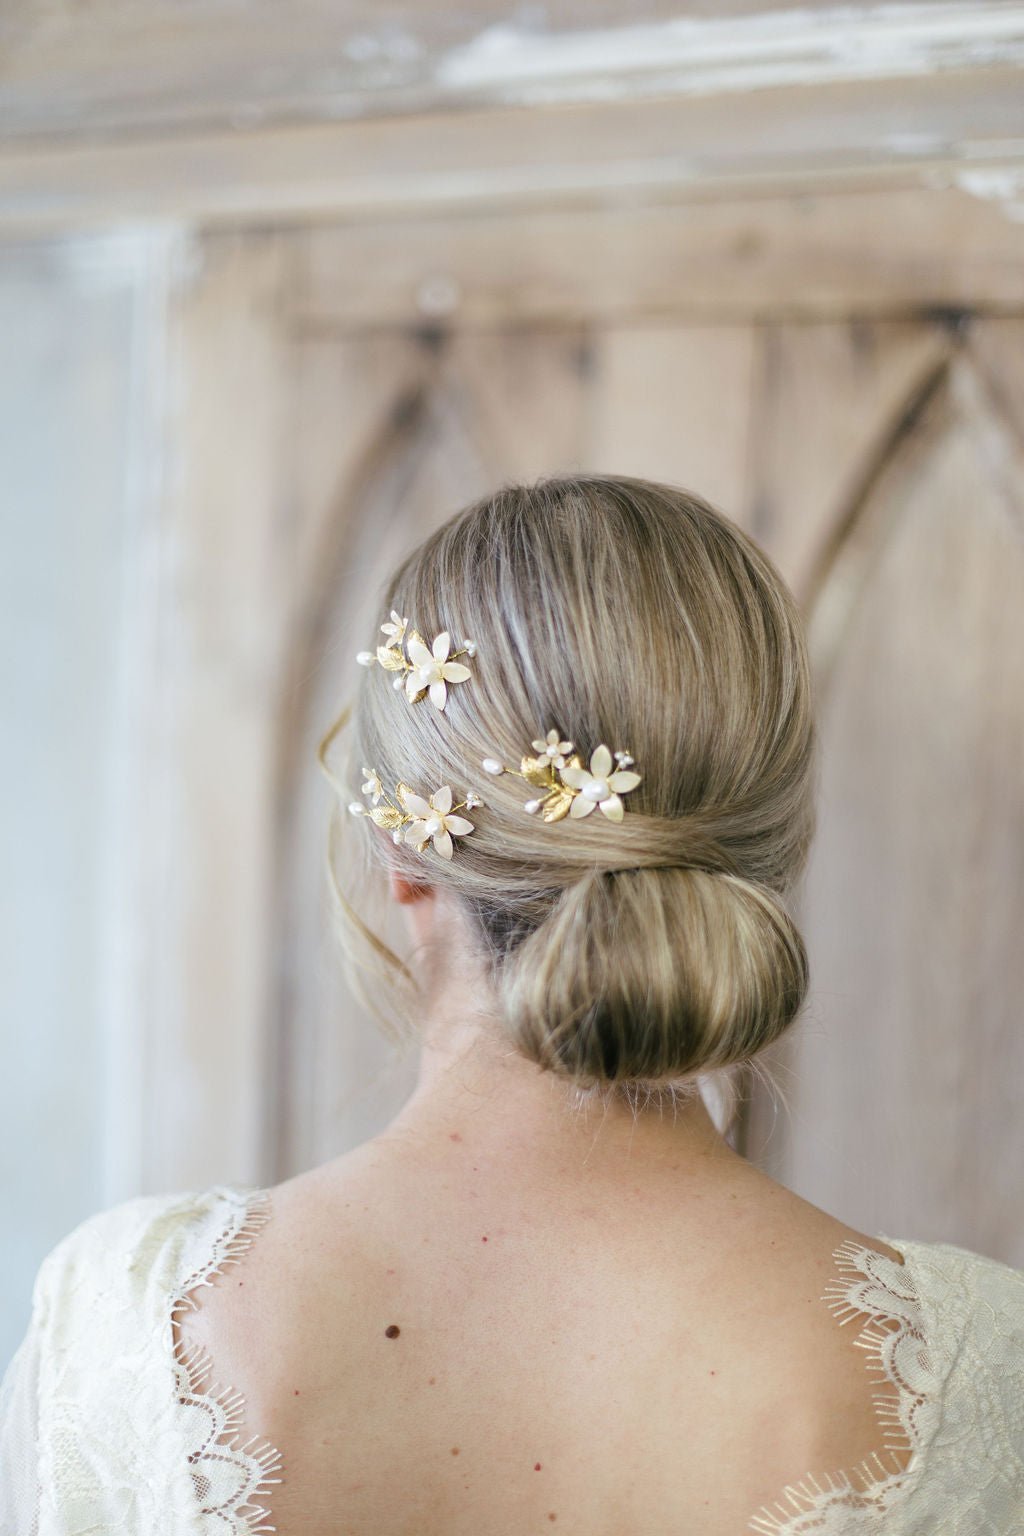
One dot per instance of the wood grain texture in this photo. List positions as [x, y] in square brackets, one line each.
[674, 401]
[817, 449]
[116, 68]
[929, 129]
[900, 1083]
[879, 252]
[221, 601]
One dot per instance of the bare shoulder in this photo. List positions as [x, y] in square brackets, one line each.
[813, 1234]
[355, 1327]
[302, 1285]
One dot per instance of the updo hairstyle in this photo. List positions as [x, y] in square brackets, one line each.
[616, 610]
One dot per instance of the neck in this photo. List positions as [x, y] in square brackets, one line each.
[479, 1102]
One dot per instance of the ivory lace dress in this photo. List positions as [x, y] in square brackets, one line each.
[109, 1424]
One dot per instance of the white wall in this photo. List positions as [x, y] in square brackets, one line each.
[76, 323]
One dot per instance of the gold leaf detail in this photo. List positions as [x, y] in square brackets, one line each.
[538, 770]
[387, 816]
[557, 804]
[390, 659]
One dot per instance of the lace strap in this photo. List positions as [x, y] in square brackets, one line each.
[232, 1476]
[886, 1295]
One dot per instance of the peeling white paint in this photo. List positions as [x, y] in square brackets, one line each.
[1003, 184]
[696, 55]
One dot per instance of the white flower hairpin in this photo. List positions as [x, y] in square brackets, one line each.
[569, 789]
[414, 820]
[425, 669]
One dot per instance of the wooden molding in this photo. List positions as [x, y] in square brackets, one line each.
[116, 68]
[114, 118]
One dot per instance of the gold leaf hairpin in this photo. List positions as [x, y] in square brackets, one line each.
[414, 820]
[569, 788]
[426, 669]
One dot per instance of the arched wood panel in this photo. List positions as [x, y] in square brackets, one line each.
[901, 1082]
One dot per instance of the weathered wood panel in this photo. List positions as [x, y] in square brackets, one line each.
[145, 68]
[957, 128]
[221, 605]
[901, 1082]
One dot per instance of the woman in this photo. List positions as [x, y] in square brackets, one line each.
[549, 1294]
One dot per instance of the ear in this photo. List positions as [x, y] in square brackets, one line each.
[406, 891]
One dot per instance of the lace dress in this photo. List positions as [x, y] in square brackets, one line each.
[109, 1424]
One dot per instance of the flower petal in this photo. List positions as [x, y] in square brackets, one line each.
[601, 763]
[418, 653]
[413, 687]
[612, 807]
[417, 805]
[443, 844]
[624, 780]
[441, 799]
[438, 693]
[581, 806]
[442, 645]
[458, 824]
[455, 671]
[416, 832]
[577, 777]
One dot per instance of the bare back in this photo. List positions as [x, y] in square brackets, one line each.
[430, 1359]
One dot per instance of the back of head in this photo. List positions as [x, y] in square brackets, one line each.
[614, 611]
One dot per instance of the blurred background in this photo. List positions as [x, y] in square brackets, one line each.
[281, 287]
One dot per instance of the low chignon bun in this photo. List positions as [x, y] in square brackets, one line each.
[653, 974]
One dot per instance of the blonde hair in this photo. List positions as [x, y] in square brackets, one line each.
[632, 613]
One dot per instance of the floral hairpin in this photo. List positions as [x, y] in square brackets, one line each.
[426, 669]
[414, 820]
[570, 790]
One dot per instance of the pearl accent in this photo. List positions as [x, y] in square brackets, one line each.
[597, 789]
[491, 765]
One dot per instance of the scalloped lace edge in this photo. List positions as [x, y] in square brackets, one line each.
[217, 1454]
[896, 1409]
